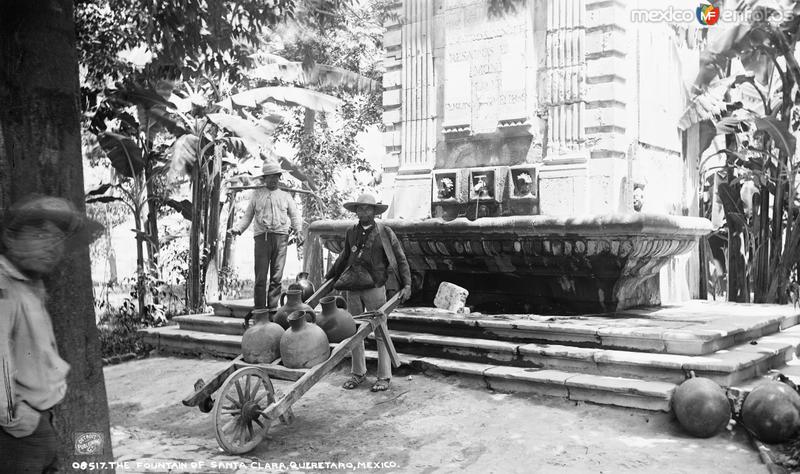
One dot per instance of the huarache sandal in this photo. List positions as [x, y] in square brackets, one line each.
[381, 385]
[354, 381]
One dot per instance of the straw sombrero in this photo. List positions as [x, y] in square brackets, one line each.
[270, 168]
[366, 199]
[33, 208]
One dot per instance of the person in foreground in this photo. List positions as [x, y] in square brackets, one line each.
[273, 210]
[36, 233]
[372, 262]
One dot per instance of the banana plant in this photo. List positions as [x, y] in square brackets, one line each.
[760, 144]
[135, 153]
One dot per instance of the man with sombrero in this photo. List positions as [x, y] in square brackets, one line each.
[372, 262]
[272, 210]
[35, 234]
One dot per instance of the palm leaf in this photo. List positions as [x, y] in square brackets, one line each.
[285, 96]
[702, 107]
[184, 154]
[318, 74]
[779, 133]
[124, 153]
[245, 129]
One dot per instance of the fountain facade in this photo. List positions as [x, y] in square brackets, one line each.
[514, 140]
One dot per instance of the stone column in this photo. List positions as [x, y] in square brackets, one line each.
[587, 90]
[410, 109]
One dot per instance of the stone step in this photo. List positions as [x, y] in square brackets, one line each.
[726, 367]
[232, 308]
[176, 340]
[691, 328]
[619, 391]
[210, 323]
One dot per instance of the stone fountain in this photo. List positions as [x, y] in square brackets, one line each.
[543, 264]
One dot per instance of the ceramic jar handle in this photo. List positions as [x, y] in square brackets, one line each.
[341, 302]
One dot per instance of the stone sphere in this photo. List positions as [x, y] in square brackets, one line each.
[772, 412]
[701, 407]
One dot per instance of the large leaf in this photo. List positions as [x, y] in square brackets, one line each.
[727, 45]
[702, 107]
[104, 199]
[184, 154]
[707, 133]
[135, 94]
[124, 153]
[162, 117]
[252, 134]
[184, 207]
[269, 58]
[101, 190]
[286, 96]
[318, 74]
[779, 133]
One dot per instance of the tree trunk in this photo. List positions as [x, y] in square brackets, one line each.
[141, 287]
[211, 285]
[151, 224]
[194, 285]
[40, 150]
[226, 250]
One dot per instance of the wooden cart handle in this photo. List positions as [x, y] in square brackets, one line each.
[323, 290]
[380, 327]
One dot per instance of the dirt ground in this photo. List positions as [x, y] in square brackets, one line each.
[425, 423]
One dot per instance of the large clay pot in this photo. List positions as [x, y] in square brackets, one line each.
[261, 343]
[304, 284]
[335, 320]
[304, 344]
[772, 412]
[293, 303]
[701, 407]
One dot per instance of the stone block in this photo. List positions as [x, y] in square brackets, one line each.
[607, 43]
[450, 297]
[607, 14]
[615, 117]
[392, 78]
[607, 92]
[609, 66]
[392, 97]
[392, 37]
[391, 138]
[391, 116]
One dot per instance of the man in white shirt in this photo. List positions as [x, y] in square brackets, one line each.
[273, 211]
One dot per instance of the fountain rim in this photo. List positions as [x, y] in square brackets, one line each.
[586, 225]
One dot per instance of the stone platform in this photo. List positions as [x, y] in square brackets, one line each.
[632, 358]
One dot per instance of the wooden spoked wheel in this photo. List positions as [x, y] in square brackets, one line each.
[238, 420]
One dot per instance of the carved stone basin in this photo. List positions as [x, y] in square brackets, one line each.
[543, 264]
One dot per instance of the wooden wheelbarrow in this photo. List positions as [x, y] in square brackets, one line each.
[247, 403]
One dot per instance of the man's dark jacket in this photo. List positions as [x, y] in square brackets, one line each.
[369, 252]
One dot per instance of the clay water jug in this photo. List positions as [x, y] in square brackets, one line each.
[261, 343]
[771, 412]
[304, 344]
[701, 406]
[304, 284]
[293, 303]
[335, 320]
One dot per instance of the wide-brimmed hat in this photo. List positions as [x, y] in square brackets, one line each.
[366, 199]
[33, 208]
[270, 168]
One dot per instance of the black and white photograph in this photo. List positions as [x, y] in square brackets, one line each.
[400, 236]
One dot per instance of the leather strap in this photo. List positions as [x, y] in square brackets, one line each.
[387, 249]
